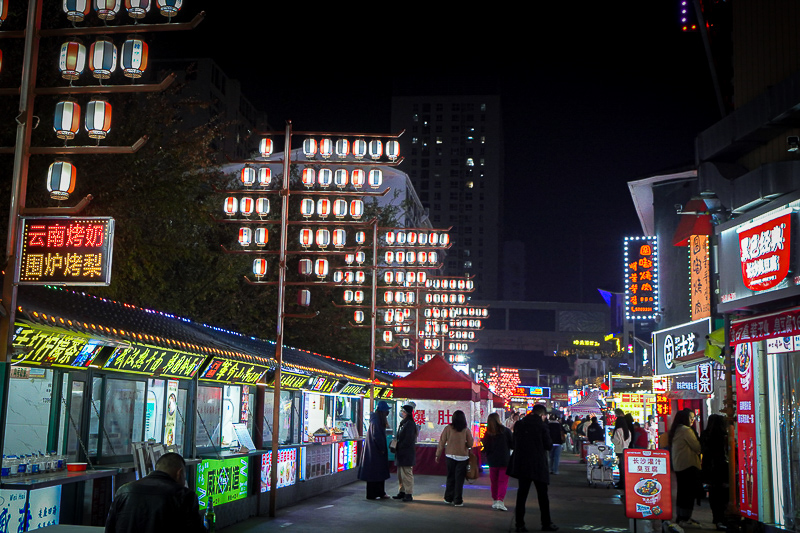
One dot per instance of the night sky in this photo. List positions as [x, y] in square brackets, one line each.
[595, 94]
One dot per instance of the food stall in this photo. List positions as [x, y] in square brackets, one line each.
[438, 390]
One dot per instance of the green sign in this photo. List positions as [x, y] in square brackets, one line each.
[290, 381]
[153, 361]
[41, 346]
[227, 371]
[222, 480]
[355, 389]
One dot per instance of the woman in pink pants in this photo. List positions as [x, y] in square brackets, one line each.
[497, 444]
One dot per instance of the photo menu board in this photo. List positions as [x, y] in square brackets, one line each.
[287, 469]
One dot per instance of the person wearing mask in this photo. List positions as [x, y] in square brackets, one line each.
[714, 445]
[497, 443]
[595, 432]
[685, 451]
[621, 439]
[158, 503]
[406, 454]
[374, 467]
[529, 465]
[557, 436]
[455, 443]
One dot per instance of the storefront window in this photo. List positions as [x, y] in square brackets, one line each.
[28, 415]
[123, 420]
[180, 422]
[209, 410]
[154, 410]
[289, 416]
[231, 398]
[318, 412]
[346, 415]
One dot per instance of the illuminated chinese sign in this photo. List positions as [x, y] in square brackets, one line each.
[289, 380]
[641, 278]
[583, 342]
[228, 371]
[705, 382]
[320, 384]
[42, 347]
[355, 389]
[680, 341]
[65, 251]
[287, 469]
[346, 455]
[532, 392]
[663, 406]
[699, 276]
[648, 490]
[764, 251]
[222, 480]
[141, 359]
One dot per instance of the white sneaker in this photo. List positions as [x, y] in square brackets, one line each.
[501, 506]
[494, 504]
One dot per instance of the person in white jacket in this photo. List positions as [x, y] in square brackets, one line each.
[621, 439]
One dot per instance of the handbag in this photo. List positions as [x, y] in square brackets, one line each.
[393, 445]
[472, 466]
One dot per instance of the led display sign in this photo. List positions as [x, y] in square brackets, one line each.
[221, 480]
[355, 389]
[346, 455]
[321, 384]
[65, 251]
[289, 380]
[699, 277]
[532, 392]
[228, 371]
[641, 278]
[142, 359]
[37, 346]
[764, 251]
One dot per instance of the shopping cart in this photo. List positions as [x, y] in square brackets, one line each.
[600, 462]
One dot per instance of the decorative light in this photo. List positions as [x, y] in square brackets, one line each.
[304, 297]
[264, 176]
[356, 208]
[357, 178]
[349, 258]
[321, 268]
[98, 119]
[323, 238]
[348, 296]
[389, 257]
[102, 58]
[358, 316]
[259, 267]
[310, 147]
[400, 256]
[434, 239]
[342, 148]
[325, 148]
[231, 206]
[72, 60]
[411, 238]
[360, 257]
[107, 9]
[262, 207]
[444, 240]
[245, 236]
[400, 237]
[265, 147]
[339, 238]
[340, 178]
[375, 149]
[399, 276]
[137, 9]
[390, 238]
[388, 277]
[246, 206]
[248, 176]
[61, 180]
[133, 59]
[309, 176]
[358, 296]
[339, 208]
[411, 257]
[304, 267]
[405, 343]
[392, 150]
[422, 238]
[323, 207]
[338, 276]
[261, 236]
[411, 277]
[388, 297]
[422, 257]
[349, 277]
[387, 336]
[169, 8]
[375, 178]
[307, 207]
[359, 148]
[360, 237]
[360, 276]
[76, 10]
[324, 178]
[306, 237]
[388, 316]
[67, 119]
[433, 257]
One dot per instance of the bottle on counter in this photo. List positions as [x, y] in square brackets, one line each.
[23, 465]
[211, 519]
[6, 468]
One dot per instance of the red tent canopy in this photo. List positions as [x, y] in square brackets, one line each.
[436, 380]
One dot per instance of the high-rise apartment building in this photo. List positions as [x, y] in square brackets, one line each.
[453, 150]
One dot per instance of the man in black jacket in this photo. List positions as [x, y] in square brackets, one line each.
[595, 432]
[159, 502]
[529, 465]
[405, 456]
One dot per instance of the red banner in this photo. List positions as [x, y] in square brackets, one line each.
[746, 432]
[764, 252]
[648, 485]
[786, 324]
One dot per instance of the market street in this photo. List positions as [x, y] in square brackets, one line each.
[575, 506]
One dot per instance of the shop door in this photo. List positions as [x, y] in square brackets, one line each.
[73, 416]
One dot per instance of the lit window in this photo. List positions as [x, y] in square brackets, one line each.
[415, 118]
[483, 107]
[438, 140]
[483, 161]
[470, 184]
[471, 163]
[467, 264]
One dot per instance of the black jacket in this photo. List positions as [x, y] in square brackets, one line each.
[154, 504]
[556, 431]
[595, 433]
[406, 448]
[531, 444]
[497, 447]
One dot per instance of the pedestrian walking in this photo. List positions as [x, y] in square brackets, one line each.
[557, 436]
[714, 444]
[569, 442]
[405, 455]
[685, 453]
[529, 465]
[374, 467]
[455, 443]
[511, 420]
[497, 443]
[621, 439]
[595, 432]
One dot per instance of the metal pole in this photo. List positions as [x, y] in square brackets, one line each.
[276, 395]
[730, 412]
[373, 315]
[416, 331]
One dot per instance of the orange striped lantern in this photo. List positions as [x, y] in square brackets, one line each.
[67, 120]
[107, 9]
[61, 180]
[264, 176]
[102, 58]
[248, 176]
[245, 236]
[309, 177]
[137, 9]
[323, 207]
[339, 238]
[259, 267]
[321, 268]
[306, 237]
[356, 208]
[265, 147]
[247, 206]
[325, 148]
[98, 119]
[323, 237]
[72, 60]
[358, 177]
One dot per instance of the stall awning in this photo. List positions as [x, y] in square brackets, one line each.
[437, 380]
[586, 405]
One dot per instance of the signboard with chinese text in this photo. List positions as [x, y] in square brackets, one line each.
[322, 384]
[346, 455]
[527, 391]
[648, 484]
[705, 379]
[222, 480]
[44, 507]
[432, 416]
[290, 380]
[42, 346]
[663, 405]
[765, 249]
[12, 509]
[355, 389]
[679, 341]
[221, 370]
[660, 384]
[65, 251]
[153, 361]
[641, 278]
[746, 435]
[287, 469]
[699, 274]
[784, 324]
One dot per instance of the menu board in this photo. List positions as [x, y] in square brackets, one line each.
[12, 509]
[746, 431]
[287, 468]
[44, 507]
[648, 488]
[222, 480]
[346, 455]
[315, 461]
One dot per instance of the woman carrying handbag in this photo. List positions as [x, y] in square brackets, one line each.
[455, 443]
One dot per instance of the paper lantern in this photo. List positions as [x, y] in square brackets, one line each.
[338, 276]
[309, 177]
[360, 257]
[411, 257]
[137, 9]
[360, 276]
[169, 8]
[76, 10]
[348, 296]
[102, 58]
[323, 207]
[321, 268]
[388, 257]
[349, 258]
[133, 58]
[310, 148]
[323, 237]
[375, 149]
[422, 257]
[357, 178]
[392, 150]
[245, 236]
[349, 277]
[356, 208]
[422, 238]
[433, 258]
[399, 277]
[247, 206]
[264, 176]
[259, 267]
[248, 176]
[400, 297]
[400, 237]
[388, 277]
[325, 148]
[67, 120]
[262, 207]
[470, 284]
[339, 208]
[358, 296]
[261, 236]
[304, 267]
[361, 237]
[411, 238]
[375, 178]
[231, 206]
[98, 119]
[434, 239]
[387, 336]
[107, 9]
[307, 207]
[388, 316]
[325, 177]
[304, 297]
[340, 178]
[61, 180]
[400, 256]
[405, 343]
[342, 148]
[265, 147]
[444, 240]
[358, 316]
[359, 148]
[390, 238]
[306, 237]
[339, 238]
[411, 278]
[72, 60]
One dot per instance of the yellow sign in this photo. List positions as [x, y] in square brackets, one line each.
[142, 359]
[38, 346]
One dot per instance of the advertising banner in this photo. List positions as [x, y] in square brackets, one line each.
[287, 468]
[172, 411]
[346, 455]
[648, 489]
[746, 431]
[12, 509]
[44, 507]
[678, 341]
[764, 251]
[223, 480]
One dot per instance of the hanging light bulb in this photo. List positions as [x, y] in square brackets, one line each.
[61, 180]
[67, 119]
